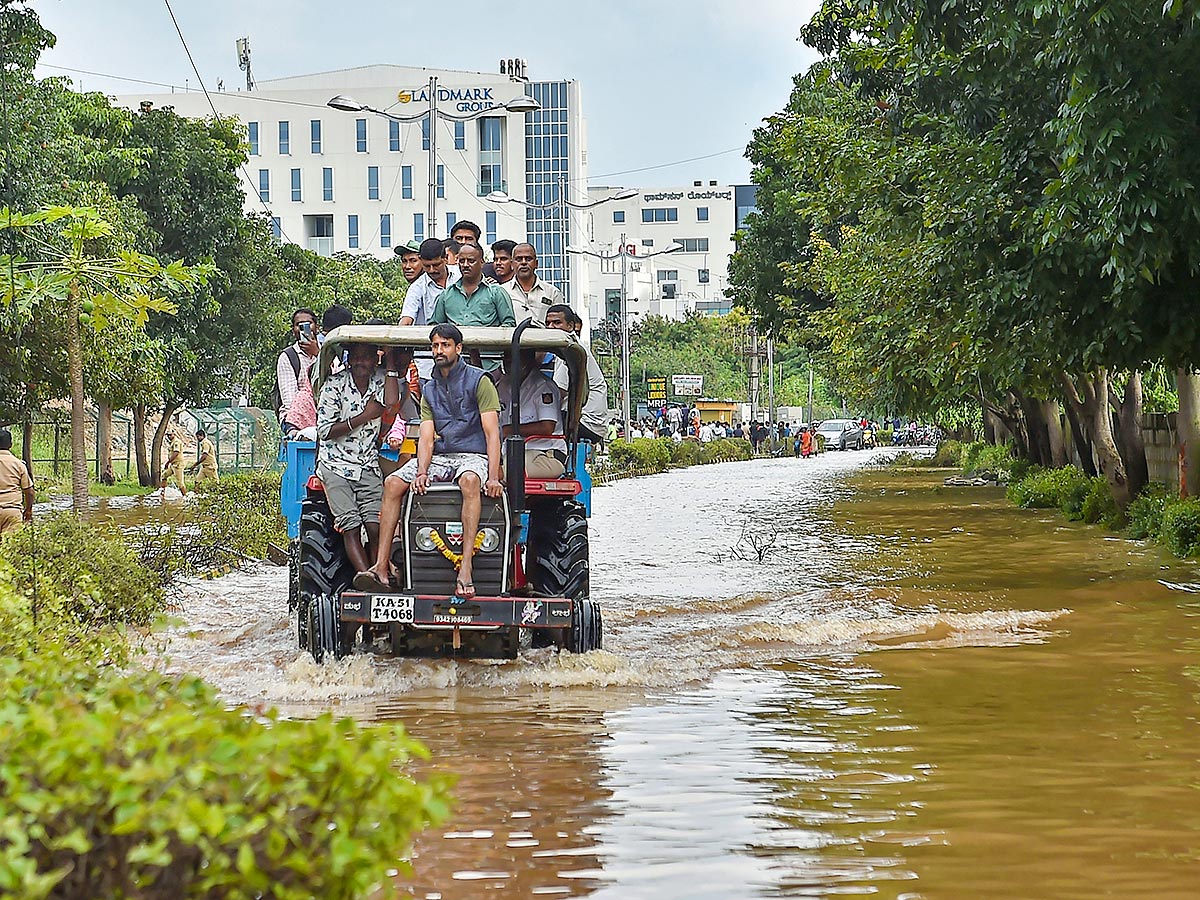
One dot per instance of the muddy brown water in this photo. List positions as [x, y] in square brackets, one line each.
[918, 693]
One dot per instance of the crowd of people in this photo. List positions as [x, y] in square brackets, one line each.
[444, 414]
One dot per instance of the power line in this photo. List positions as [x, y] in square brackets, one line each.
[668, 165]
[213, 106]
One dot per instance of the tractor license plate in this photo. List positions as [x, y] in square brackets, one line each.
[392, 608]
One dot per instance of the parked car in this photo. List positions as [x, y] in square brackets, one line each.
[841, 434]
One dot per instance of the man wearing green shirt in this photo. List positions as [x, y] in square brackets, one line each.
[471, 302]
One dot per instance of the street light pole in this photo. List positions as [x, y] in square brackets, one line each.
[431, 225]
[625, 337]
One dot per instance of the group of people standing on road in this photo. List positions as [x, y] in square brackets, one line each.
[373, 393]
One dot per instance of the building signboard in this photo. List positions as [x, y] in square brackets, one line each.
[656, 392]
[687, 385]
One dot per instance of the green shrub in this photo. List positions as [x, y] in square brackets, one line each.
[726, 449]
[86, 573]
[983, 457]
[1099, 507]
[1072, 495]
[883, 437]
[238, 515]
[645, 455]
[1050, 488]
[1145, 513]
[947, 456]
[1180, 529]
[687, 453]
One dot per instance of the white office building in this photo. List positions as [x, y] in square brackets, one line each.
[701, 217]
[357, 182]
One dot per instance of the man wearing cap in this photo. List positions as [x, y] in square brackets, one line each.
[531, 297]
[470, 302]
[16, 487]
[410, 261]
[207, 463]
[423, 293]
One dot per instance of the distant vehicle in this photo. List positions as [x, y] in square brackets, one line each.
[841, 434]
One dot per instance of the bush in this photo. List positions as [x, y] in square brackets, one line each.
[947, 456]
[238, 515]
[983, 457]
[687, 453]
[1145, 513]
[644, 455]
[85, 573]
[1073, 494]
[1050, 488]
[1099, 507]
[883, 437]
[726, 449]
[1180, 528]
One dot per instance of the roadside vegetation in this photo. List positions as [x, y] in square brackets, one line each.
[649, 456]
[122, 782]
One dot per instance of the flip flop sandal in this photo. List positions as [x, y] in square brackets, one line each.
[369, 581]
[460, 587]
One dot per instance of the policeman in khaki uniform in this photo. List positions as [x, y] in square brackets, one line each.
[16, 487]
[207, 464]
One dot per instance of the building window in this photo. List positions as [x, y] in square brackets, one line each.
[372, 182]
[612, 301]
[668, 291]
[276, 228]
[394, 136]
[264, 185]
[252, 136]
[315, 130]
[460, 135]
[702, 276]
[419, 226]
[425, 133]
[406, 182]
[352, 232]
[701, 213]
[441, 182]
[451, 218]
[489, 219]
[285, 138]
[385, 230]
[647, 242]
[360, 135]
[296, 194]
[327, 183]
[491, 157]
[668, 274]
[660, 214]
[694, 245]
[618, 217]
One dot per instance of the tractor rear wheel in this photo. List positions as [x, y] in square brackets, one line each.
[587, 627]
[324, 572]
[558, 566]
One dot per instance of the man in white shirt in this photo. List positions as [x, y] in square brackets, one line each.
[593, 424]
[531, 297]
[423, 293]
[541, 419]
[295, 361]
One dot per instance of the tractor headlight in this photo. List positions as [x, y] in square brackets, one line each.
[425, 540]
[491, 540]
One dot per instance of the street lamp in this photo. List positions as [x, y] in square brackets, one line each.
[517, 105]
[623, 254]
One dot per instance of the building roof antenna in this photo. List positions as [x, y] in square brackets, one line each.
[243, 52]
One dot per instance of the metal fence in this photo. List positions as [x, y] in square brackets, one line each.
[52, 447]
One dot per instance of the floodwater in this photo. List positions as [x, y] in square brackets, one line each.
[917, 692]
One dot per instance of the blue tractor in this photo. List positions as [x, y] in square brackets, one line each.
[531, 569]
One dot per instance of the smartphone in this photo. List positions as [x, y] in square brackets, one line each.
[306, 330]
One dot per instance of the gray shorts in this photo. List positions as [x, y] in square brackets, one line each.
[353, 503]
[446, 467]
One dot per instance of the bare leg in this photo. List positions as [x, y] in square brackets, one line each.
[354, 549]
[470, 486]
[394, 490]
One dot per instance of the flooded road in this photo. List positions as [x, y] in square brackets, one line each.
[918, 692]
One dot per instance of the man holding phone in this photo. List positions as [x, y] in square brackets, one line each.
[295, 361]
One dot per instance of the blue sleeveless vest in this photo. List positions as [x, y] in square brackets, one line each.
[456, 409]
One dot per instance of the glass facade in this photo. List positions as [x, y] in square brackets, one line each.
[745, 201]
[491, 157]
[547, 168]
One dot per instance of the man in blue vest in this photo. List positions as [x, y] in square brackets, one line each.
[459, 441]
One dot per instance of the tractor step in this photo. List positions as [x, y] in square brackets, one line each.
[423, 610]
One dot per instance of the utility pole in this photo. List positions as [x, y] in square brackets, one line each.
[810, 392]
[770, 379]
[755, 376]
[625, 412]
[431, 225]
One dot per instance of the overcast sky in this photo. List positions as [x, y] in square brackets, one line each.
[663, 82]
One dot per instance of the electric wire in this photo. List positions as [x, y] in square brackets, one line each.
[213, 106]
